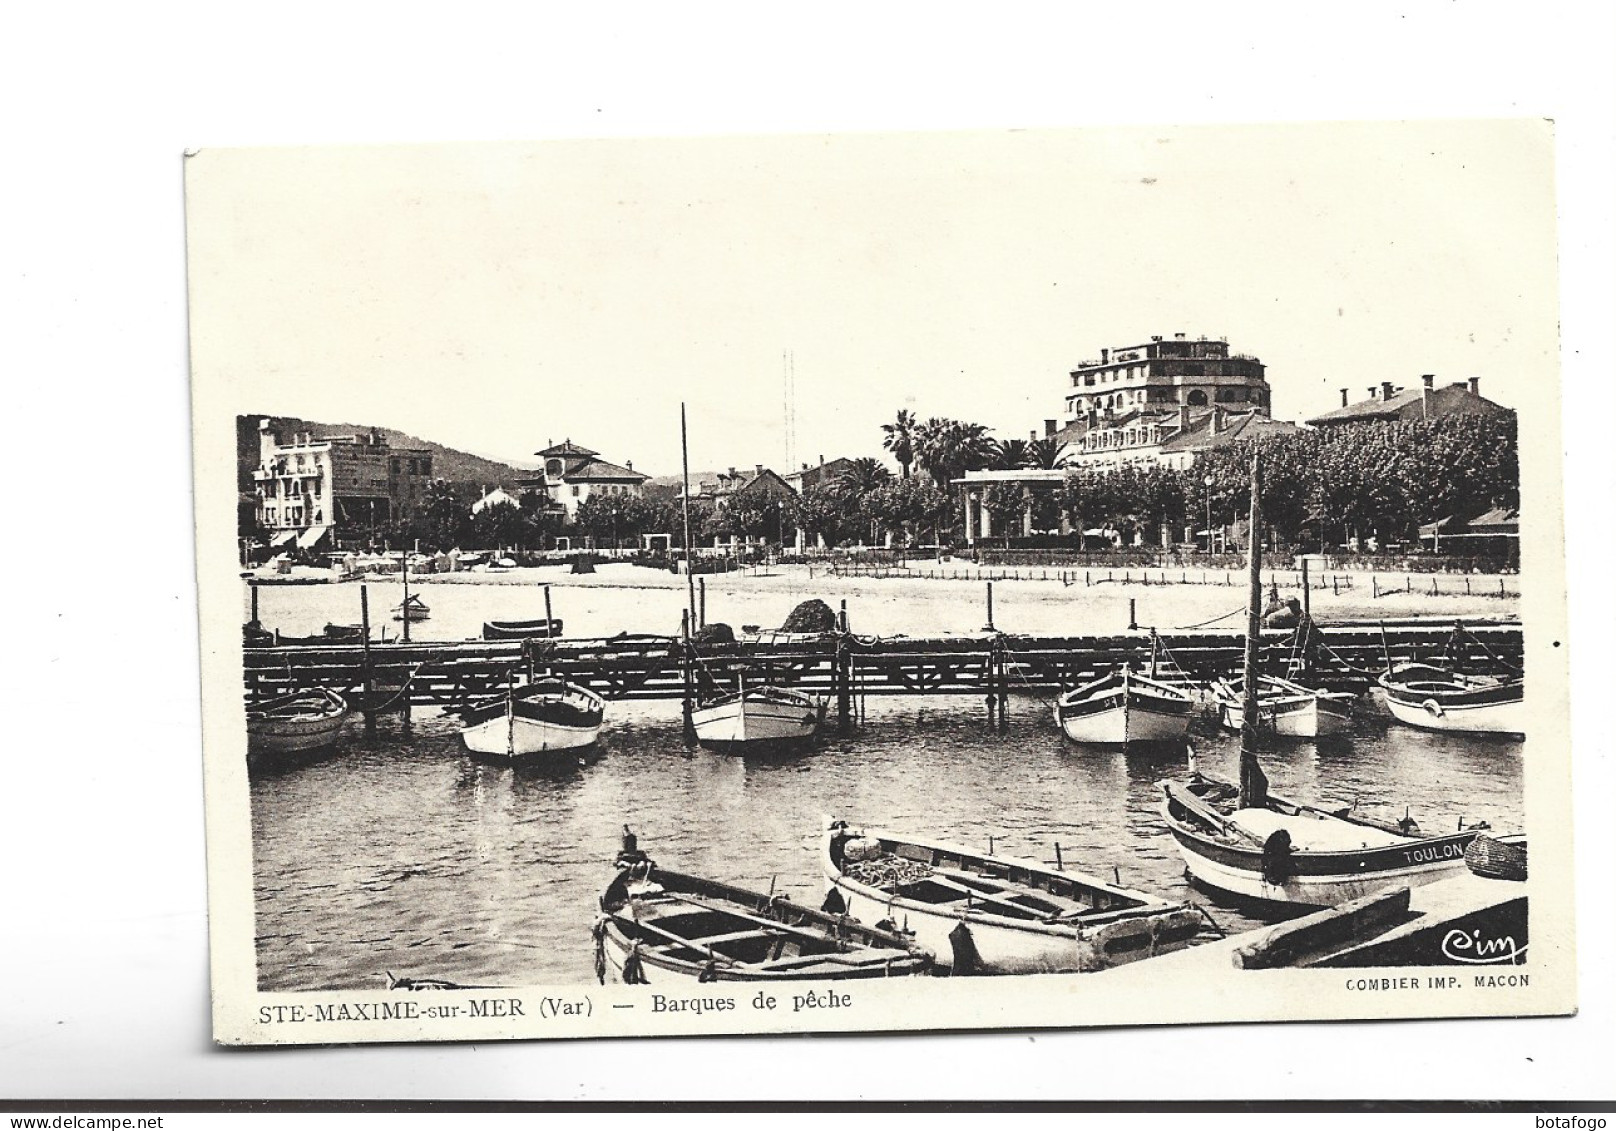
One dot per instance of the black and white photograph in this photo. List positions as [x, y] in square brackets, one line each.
[881, 581]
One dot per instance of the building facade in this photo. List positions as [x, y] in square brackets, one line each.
[346, 487]
[573, 474]
[1167, 373]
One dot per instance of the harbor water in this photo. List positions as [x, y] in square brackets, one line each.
[401, 854]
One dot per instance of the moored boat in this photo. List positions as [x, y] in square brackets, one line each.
[998, 914]
[295, 724]
[1435, 698]
[413, 609]
[657, 927]
[1270, 849]
[757, 716]
[1125, 708]
[1285, 708]
[532, 721]
[543, 628]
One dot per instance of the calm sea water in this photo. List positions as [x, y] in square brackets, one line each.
[402, 854]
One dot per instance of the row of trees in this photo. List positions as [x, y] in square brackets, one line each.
[1321, 486]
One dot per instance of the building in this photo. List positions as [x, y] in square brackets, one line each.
[821, 474]
[348, 487]
[1167, 373]
[761, 489]
[572, 474]
[1390, 403]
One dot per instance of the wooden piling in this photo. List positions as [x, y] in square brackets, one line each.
[1307, 592]
[701, 599]
[990, 627]
[404, 609]
[252, 587]
[1133, 620]
[369, 674]
[687, 668]
[549, 618]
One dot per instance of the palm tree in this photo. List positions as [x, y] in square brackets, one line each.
[948, 449]
[1009, 455]
[1047, 453]
[900, 439]
[860, 477]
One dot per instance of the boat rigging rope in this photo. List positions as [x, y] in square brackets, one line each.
[1214, 620]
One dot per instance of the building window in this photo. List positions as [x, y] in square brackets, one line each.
[575, 490]
[1197, 397]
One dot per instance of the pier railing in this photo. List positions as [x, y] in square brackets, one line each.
[842, 665]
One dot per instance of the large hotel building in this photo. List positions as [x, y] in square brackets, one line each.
[1167, 372]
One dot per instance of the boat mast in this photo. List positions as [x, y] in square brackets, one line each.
[1253, 784]
[690, 576]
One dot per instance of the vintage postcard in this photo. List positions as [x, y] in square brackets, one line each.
[881, 582]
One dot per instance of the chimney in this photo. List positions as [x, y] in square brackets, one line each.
[1033, 436]
[628, 463]
[757, 470]
[1475, 386]
[1183, 418]
[1343, 398]
[1372, 392]
[1105, 356]
[1179, 336]
[1049, 428]
[1385, 390]
[1217, 419]
[1429, 379]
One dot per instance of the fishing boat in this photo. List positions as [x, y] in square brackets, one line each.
[413, 609]
[1284, 708]
[756, 716]
[1244, 841]
[1437, 698]
[997, 914]
[1267, 848]
[543, 718]
[1125, 708]
[658, 927]
[295, 724]
[543, 628]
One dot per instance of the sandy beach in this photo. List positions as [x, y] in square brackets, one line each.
[1037, 602]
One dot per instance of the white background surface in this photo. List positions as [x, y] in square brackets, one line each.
[102, 910]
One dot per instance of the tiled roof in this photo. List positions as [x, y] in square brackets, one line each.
[601, 469]
[1446, 400]
[567, 448]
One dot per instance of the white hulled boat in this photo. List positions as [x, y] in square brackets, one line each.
[761, 715]
[1125, 708]
[545, 718]
[997, 914]
[1433, 698]
[1285, 708]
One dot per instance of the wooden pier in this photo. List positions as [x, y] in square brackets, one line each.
[843, 666]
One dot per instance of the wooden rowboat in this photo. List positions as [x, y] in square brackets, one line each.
[657, 927]
[1284, 708]
[1125, 708]
[757, 717]
[295, 724]
[1433, 698]
[522, 629]
[546, 718]
[998, 914]
[412, 610]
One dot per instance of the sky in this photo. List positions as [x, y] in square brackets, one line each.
[499, 297]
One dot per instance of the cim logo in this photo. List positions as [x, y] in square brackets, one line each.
[1476, 950]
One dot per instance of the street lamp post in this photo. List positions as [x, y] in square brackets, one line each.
[1208, 484]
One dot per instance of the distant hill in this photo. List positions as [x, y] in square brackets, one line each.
[447, 463]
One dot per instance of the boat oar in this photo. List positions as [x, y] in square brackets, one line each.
[645, 925]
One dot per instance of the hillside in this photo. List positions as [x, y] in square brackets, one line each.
[447, 463]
